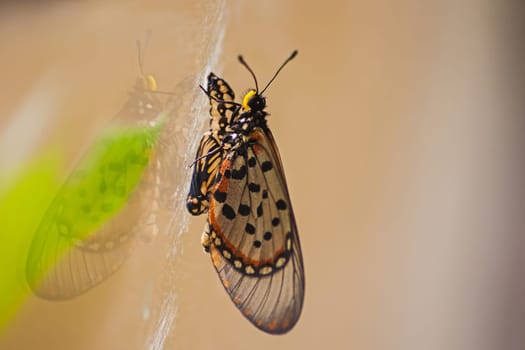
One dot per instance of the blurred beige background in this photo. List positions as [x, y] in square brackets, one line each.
[400, 136]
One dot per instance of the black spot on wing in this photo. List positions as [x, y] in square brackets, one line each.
[228, 211]
[239, 174]
[281, 204]
[266, 166]
[220, 196]
[253, 187]
[250, 229]
[244, 210]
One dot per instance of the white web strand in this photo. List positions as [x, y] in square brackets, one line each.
[212, 34]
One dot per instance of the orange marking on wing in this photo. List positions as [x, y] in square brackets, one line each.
[224, 183]
[256, 136]
[215, 256]
[273, 325]
[286, 323]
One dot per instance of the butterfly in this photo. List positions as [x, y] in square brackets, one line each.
[250, 233]
[111, 197]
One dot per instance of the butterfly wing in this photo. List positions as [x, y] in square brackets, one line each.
[86, 233]
[205, 168]
[209, 153]
[254, 242]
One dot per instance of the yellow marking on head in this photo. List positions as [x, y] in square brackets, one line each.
[246, 98]
[150, 83]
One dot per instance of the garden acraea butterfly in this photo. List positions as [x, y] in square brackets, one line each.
[250, 233]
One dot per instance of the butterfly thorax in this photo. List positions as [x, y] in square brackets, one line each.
[252, 114]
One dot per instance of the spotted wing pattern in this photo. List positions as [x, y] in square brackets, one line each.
[209, 154]
[253, 237]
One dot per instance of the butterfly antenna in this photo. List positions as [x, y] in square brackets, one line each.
[217, 100]
[140, 58]
[141, 49]
[292, 56]
[149, 81]
[243, 62]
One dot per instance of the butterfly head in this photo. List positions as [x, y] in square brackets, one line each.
[253, 101]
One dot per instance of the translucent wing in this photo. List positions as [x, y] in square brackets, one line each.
[254, 244]
[110, 198]
[209, 153]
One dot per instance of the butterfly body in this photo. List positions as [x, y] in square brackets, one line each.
[209, 152]
[251, 232]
